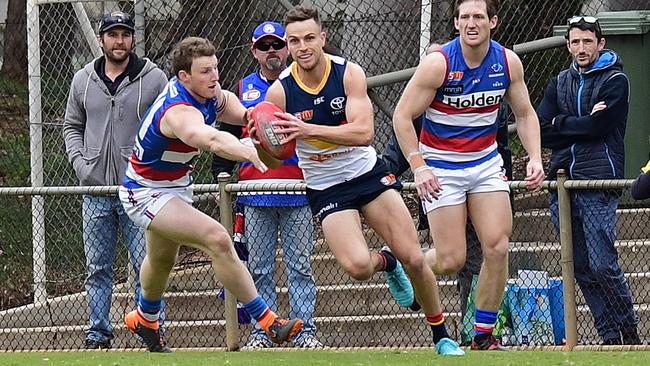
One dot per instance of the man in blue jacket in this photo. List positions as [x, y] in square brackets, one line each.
[583, 117]
[640, 189]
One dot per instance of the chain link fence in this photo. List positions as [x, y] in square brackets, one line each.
[345, 312]
[381, 37]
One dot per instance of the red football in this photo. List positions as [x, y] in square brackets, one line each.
[263, 115]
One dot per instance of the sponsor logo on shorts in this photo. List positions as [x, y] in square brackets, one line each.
[388, 180]
[503, 175]
[329, 207]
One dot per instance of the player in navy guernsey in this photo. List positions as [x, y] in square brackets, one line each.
[331, 117]
[157, 189]
[456, 165]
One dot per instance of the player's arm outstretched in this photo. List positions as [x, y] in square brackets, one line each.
[359, 131]
[527, 122]
[417, 95]
[186, 123]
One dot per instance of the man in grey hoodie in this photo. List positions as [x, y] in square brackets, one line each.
[107, 99]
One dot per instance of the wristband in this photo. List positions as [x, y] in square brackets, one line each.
[421, 169]
[411, 155]
[416, 161]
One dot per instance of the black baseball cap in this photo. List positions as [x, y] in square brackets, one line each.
[114, 20]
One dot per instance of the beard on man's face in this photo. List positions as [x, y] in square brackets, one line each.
[274, 63]
[118, 59]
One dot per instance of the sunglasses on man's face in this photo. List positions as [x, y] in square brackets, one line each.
[266, 45]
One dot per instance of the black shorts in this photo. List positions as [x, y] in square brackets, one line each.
[354, 193]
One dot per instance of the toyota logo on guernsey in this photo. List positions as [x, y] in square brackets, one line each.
[337, 103]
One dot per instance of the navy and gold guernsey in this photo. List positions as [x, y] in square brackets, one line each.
[324, 164]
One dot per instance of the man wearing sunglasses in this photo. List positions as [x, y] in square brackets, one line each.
[583, 116]
[267, 214]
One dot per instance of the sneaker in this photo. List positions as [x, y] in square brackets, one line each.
[399, 284]
[614, 341]
[259, 342]
[94, 344]
[283, 330]
[630, 337]
[150, 332]
[489, 343]
[308, 341]
[448, 347]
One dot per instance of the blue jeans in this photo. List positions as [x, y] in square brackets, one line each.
[608, 295]
[102, 215]
[296, 230]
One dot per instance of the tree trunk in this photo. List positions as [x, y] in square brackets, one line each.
[14, 65]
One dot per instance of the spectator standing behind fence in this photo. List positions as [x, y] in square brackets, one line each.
[342, 172]
[640, 189]
[456, 165]
[107, 99]
[583, 116]
[267, 214]
[158, 187]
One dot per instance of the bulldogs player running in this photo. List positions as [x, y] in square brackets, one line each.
[456, 165]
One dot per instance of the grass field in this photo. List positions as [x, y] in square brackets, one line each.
[305, 358]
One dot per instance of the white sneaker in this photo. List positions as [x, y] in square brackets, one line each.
[258, 342]
[308, 341]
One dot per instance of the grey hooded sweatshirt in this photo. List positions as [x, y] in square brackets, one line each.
[99, 128]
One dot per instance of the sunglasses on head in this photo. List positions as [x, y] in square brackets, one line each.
[266, 45]
[583, 19]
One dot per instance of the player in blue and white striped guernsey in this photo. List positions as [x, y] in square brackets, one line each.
[157, 190]
[456, 165]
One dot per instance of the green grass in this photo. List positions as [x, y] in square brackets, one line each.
[355, 358]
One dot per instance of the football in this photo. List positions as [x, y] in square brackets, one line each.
[263, 115]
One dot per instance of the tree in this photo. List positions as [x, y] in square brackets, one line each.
[14, 65]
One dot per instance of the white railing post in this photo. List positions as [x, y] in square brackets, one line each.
[36, 150]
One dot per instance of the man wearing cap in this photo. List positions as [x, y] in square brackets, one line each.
[583, 116]
[267, 214]
[107, 99]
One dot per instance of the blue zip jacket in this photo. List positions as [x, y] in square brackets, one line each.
[588, 146]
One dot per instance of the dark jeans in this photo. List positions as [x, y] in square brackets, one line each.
[593, 223]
